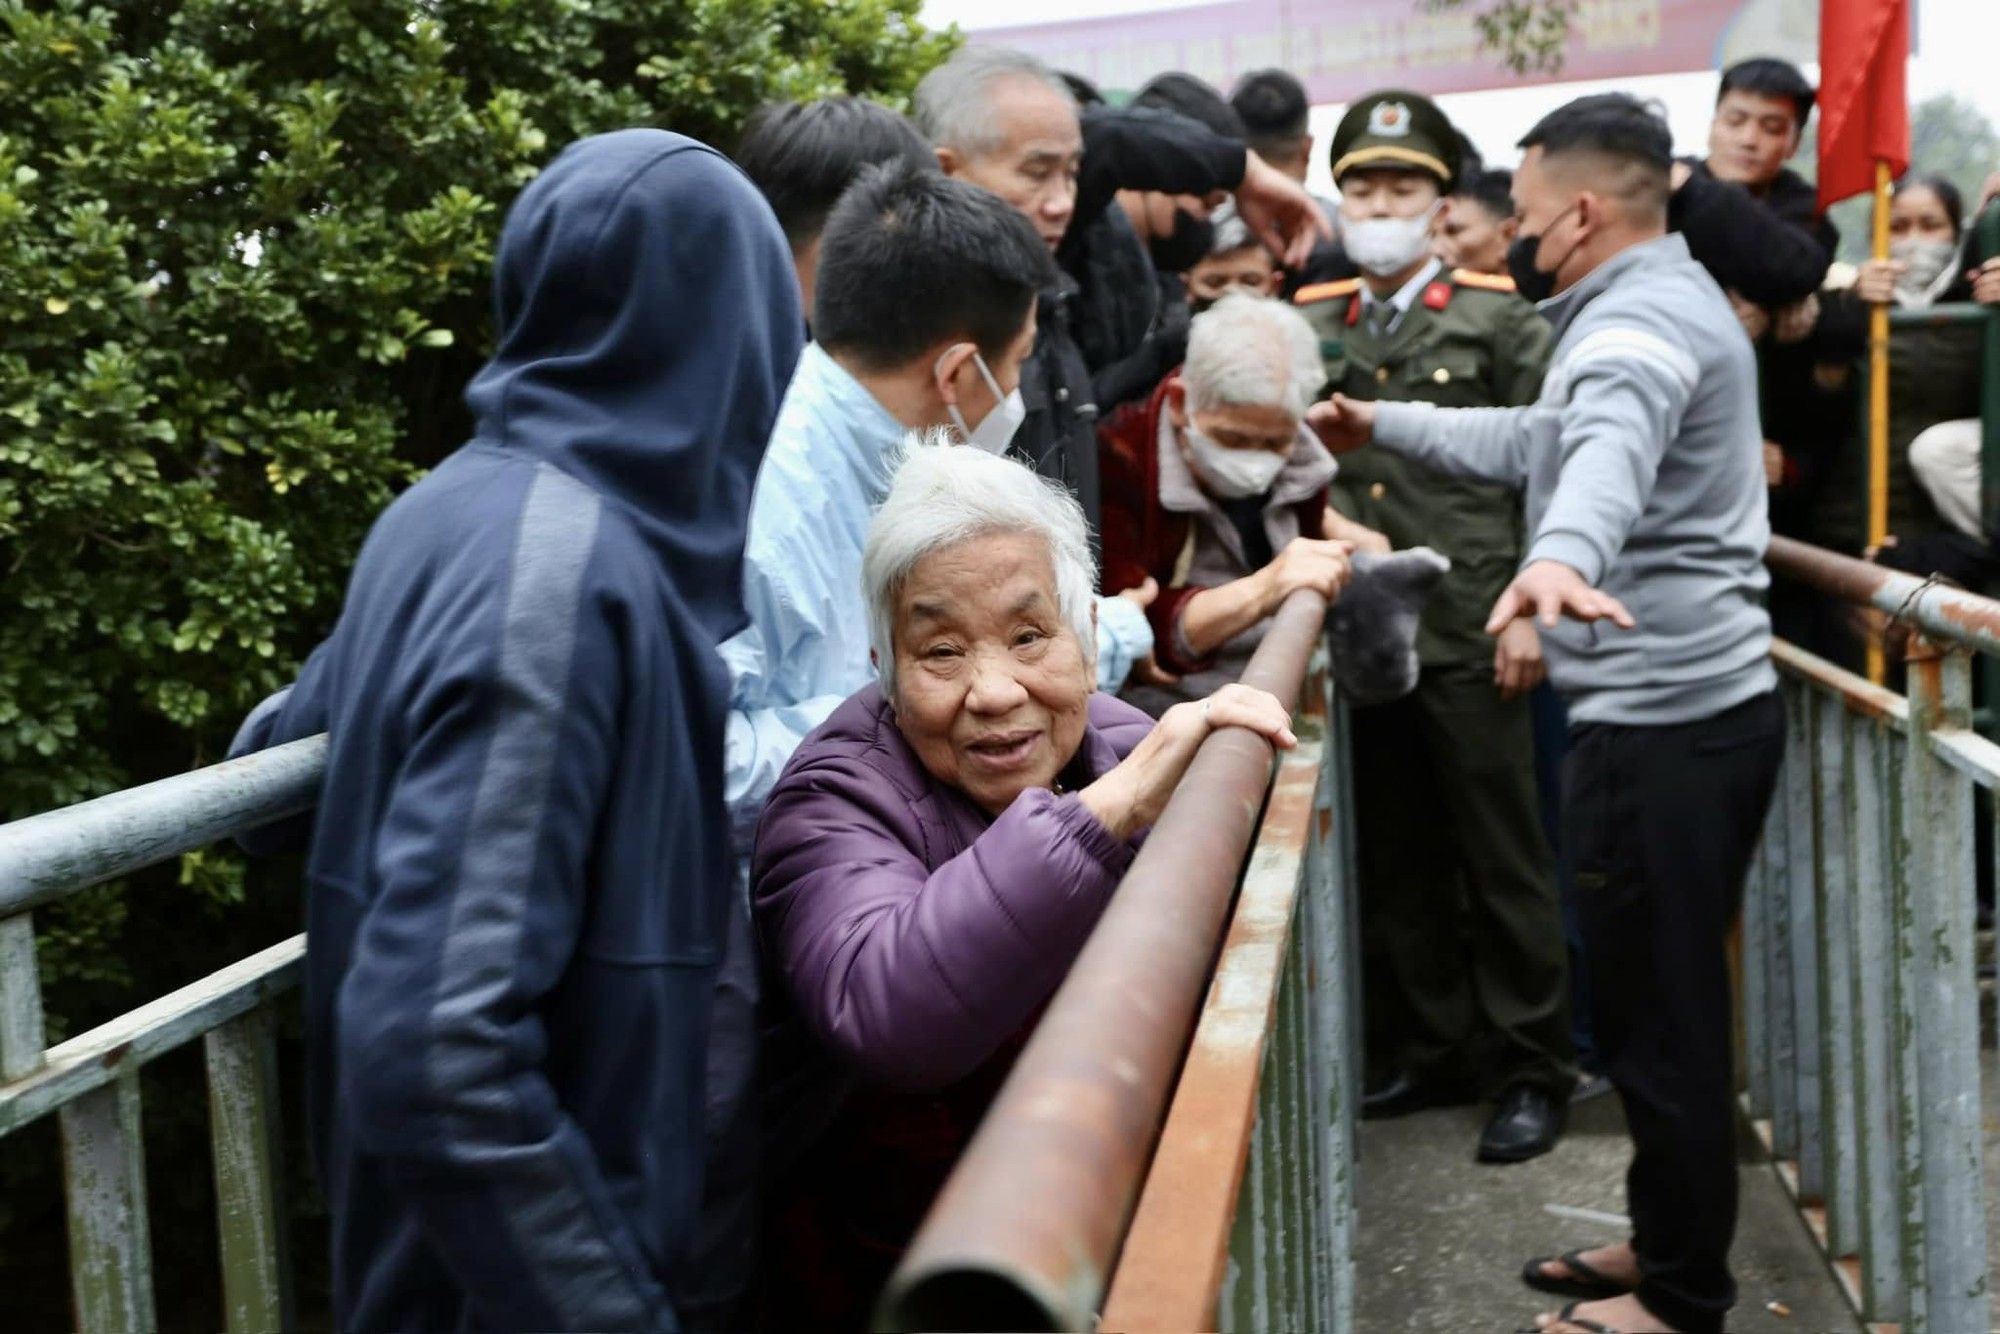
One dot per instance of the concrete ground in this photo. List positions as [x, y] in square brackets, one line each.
[1442, 1238]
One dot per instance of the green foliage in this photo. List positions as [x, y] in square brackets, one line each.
[245, 251]
[1527, 36]
[244, 255]
[1949, 137]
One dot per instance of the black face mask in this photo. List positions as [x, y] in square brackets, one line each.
[1186, 246]
[1522, 259]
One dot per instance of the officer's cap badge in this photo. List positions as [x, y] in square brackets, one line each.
[1389, 119]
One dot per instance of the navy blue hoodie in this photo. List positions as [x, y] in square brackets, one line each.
[520, 862]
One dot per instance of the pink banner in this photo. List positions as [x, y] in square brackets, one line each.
[1343, 48]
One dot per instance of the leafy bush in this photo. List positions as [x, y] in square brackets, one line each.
[244, 260]
[244, 254]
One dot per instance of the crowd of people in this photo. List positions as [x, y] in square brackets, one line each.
[735, 742]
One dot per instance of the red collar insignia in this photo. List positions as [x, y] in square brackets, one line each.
[1437, 295]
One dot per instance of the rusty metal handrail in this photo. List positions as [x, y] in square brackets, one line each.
[1944, 612]
[1024, 1233]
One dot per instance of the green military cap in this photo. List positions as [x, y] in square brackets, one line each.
[1396, 128]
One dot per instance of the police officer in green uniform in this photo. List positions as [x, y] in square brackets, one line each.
[1462, 928]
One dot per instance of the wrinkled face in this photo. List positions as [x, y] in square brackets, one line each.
[992, 687]
[1386, 192]
[1917, 214]
[1750, 138]
[1246, 268]
[1260, 426]
[1467, 236]
[1034, 167]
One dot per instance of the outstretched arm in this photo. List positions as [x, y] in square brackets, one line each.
[1486, 444]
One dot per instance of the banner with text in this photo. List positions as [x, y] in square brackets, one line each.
[1342, 48]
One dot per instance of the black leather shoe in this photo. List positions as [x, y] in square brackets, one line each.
[1525, 1125]
[1405, 1093]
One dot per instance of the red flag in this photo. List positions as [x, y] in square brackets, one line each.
[1864, 107]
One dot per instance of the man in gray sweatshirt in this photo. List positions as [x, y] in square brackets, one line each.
[1642, 464]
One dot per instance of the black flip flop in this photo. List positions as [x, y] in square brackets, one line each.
[1583, 1282]
[1567, 1316]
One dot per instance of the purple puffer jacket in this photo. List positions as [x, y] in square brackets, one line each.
[913, 933]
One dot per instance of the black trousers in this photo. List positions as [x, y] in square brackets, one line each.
[1660, 823]
[1462, 932]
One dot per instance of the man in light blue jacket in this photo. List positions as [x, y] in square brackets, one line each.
[1642, 464]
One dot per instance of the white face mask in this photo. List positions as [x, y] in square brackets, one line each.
[1231, 474]
[1384, 246]
[996, 429]
[1928, 262]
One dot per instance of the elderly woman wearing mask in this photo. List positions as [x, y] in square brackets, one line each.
[936, 854]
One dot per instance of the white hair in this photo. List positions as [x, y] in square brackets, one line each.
[946, 493]
[1252, 351]
[953, 106]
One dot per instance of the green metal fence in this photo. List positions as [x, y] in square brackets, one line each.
[1860, 1005]
[91, 1082]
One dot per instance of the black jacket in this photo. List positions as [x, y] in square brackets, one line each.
[1058, 436]
[1772, 249]
[1110, 298]
[1138, 148]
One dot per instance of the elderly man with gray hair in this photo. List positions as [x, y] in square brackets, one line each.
[1214, 488]
[1004, 120]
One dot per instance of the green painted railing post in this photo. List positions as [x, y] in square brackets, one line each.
[248, 1147]
[22, 1036]
[110, 1242]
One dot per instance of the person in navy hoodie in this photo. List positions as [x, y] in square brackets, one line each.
[518, 879]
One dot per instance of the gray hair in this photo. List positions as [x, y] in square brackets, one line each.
[953, 105]
[946, 493]
[1252, 351]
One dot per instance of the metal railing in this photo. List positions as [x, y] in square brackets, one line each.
[91, 1082]
[1860, 997]
[1201, 1038]
[1212, 1092]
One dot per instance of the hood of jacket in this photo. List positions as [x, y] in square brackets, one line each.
[648, 320]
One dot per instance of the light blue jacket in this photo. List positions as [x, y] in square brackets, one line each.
[830, 461]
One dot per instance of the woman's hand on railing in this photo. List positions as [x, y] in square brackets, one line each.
[1131, 796]
[1986, 282]
[1875, 280]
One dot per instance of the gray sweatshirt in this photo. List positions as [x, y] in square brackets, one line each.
[1643, 465]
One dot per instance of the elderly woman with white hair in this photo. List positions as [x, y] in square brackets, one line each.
[936, 854]
[1215, 489]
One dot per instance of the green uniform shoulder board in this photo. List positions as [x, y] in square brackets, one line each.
[1306, 296]
[1491, 282]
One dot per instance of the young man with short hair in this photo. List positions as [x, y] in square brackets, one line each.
[804, 155]
[1748, 219]
[1644, 480]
